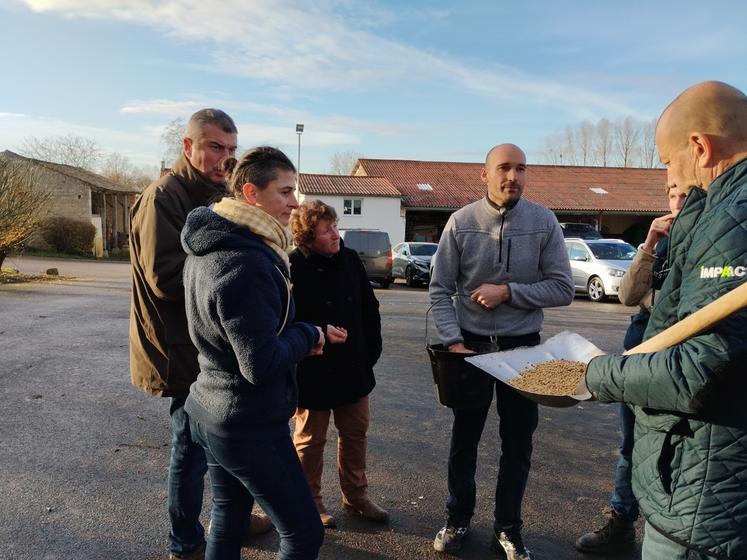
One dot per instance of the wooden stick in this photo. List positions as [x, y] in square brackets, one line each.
[699, 321]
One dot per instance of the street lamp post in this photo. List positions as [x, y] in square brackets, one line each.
[299, 131]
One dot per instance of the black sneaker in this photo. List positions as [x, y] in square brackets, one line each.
[508, 543]
[617, 534]
[451, 537]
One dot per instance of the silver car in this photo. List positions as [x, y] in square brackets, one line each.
[598, 265]
[412, 261]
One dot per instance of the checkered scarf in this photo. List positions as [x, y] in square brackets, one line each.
[259, 222]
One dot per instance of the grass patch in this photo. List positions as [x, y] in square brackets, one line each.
[122, 255]
[29, 252]
[12, 276]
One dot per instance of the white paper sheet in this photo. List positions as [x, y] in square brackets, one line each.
[563, 346]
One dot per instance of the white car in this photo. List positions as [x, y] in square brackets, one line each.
[598, 265]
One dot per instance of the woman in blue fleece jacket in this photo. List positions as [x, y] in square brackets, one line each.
[240, 313]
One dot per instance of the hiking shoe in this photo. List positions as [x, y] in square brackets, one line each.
[198, 554]
[509, 545]
[451, 537]
[617, 534]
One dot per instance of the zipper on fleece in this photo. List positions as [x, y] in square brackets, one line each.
[500, 237]
[508, 256]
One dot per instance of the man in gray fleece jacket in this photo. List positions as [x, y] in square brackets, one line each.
[504, 259]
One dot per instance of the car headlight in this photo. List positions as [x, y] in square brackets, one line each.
[615, 272]
[420, 265]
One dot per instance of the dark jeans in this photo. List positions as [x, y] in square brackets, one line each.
[246, 469]
[518, 420]
[623, 500]
[187, 470]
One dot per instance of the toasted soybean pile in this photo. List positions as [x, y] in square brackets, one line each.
[556, 377]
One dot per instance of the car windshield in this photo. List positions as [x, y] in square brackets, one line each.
[425, 250]
[613, 251]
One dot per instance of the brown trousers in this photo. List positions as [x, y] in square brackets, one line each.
[310, 436]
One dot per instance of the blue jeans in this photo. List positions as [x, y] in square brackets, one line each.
[187, 470]
[518, 420]
[658, 547]
[623, 500]
[245, 469]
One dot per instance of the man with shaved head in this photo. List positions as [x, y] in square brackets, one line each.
[690, 452]
[500, 260]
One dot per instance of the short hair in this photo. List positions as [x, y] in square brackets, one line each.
[203, 117]
[258, 166]
[306, 217]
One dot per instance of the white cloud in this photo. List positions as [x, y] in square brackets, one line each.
[324, 46]
[334, 126]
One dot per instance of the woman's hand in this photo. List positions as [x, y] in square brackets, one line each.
[316, 350]
[336, 335]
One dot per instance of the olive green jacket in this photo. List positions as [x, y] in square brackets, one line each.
[163, 360]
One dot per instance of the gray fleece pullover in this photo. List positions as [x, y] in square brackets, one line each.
[522, 247]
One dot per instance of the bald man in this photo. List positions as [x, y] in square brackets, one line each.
[505, 259]
[690, 452]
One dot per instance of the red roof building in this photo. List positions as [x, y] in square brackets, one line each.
[619, 201]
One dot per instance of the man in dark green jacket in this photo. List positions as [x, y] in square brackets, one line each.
[690, 452]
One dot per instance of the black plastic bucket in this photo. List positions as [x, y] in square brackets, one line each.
[460, 384]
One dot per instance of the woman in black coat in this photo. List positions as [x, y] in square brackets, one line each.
[331, 290]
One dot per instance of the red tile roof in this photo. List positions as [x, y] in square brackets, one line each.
[557, 187]
[337, 185]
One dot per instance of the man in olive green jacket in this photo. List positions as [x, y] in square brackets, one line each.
[690, 451]
[163, 360]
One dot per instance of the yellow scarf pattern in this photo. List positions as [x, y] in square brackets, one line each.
[259, 222]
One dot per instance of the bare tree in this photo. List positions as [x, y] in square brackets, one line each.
[552, 151]
[23, 205]
[172, 140]
[569, 147]
[118, 168]
[648, 151]
[342, 163]
[585, 142]
[69, 150]
[626, 132]
[602, 142]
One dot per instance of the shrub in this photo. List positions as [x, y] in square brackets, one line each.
[69, 236]
[23, 205]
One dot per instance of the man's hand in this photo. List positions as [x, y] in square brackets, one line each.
[490, 295]
[316, 350]
[581, 388]
[336, 335]
[460, 348]
[658, 230]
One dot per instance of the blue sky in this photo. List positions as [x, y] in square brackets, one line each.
[430, 80]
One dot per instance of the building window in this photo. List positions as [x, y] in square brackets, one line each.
[352, 206]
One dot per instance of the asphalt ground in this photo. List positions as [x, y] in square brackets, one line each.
[83, 454]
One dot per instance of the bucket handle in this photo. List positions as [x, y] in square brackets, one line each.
[493, 337]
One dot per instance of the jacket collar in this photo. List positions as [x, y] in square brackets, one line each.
[724, 184]
[200, 190]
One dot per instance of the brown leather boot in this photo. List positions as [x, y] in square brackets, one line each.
[328, 522]
[259, 524]
[198, 554]
[367, 509]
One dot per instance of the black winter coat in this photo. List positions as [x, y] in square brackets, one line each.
[336, 291]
